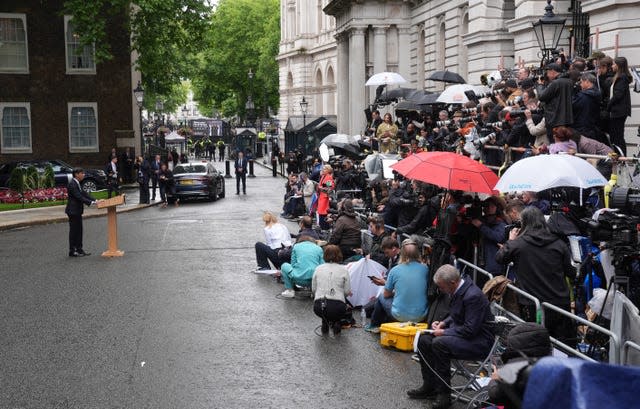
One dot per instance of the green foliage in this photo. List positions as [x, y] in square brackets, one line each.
[31, 178]
[167, 34]
[48, 179]
[17, 179]
[243, 35]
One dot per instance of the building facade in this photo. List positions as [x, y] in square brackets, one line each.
[55, 101]
[328, 58]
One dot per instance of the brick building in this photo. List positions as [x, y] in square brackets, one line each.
[55, 101]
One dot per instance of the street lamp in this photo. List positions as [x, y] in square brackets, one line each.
[160, 109]
[185, 112]
[304, 105]
[138, 94]
[250, 106]
[548, 30]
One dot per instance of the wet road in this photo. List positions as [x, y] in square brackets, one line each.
[179, 321]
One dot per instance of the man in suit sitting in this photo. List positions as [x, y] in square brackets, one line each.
[464, 334]
[241, 173]
[77, 198]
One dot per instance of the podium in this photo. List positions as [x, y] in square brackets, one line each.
[112, 224]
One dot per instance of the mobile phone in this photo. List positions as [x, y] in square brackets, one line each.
[371, 277]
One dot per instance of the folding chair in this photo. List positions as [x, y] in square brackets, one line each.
[476, 375]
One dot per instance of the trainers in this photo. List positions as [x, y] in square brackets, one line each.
[288, 293]
[370, 328]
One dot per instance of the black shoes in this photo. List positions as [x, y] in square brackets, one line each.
[422, 392]
[78, 253]
[337, 327]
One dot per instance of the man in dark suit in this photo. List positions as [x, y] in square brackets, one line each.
[75, 207]
[155, 171]
[464, 334]
[112, 177]
[241, 173]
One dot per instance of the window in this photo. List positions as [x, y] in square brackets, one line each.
[15, 118]
[13, 43]
[83, 127]
[80, 59]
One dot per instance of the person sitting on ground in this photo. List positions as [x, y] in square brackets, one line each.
[346, 230]
[277, 237]
[293, 200]
[464, 334]
[306, 228]
[305, 257]
[331, 285]
[391, 249]
[308, 188]
[377, 230]
[405, 290]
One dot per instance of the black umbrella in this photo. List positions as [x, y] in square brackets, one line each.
[428, 99]
[447, 76]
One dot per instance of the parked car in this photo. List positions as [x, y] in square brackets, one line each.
[94, 179]
[198, 180]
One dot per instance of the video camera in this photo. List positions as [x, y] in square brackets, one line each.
[517, 224]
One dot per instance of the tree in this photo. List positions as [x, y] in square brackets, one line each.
[167, 34]
[243, 35]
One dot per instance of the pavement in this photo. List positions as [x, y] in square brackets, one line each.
[13, 219]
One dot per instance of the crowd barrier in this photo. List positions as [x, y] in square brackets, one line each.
[614, 355]
[625, 351]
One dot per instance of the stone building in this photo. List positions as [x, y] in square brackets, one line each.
[55, 101]
[329, 48]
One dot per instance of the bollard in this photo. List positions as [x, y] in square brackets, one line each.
[227, 169]
[251, 175]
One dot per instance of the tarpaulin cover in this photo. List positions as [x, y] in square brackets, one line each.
[570, 383]
[361, 286]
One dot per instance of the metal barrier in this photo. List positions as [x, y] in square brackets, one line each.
[512, 316]
[614, 355]
[625, 351]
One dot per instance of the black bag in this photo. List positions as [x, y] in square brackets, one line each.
[284, 254]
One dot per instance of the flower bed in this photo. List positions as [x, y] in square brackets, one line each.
[34, 196]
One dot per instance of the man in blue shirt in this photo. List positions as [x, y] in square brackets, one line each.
[405, 290]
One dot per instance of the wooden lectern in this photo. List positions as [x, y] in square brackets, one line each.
[112, 223]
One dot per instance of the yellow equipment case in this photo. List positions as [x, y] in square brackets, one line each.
[400, 335]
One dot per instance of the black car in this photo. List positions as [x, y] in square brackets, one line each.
[94, 179]
[198, 180]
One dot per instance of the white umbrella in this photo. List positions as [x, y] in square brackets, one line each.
[174, 137]
[385, 78]
[455, 93]
[543, 172]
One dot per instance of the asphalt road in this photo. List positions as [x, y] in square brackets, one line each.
[179, 321]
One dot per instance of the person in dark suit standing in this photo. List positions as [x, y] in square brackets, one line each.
[75, 207]
[112, 177]
[619, 106]
[464, 334]
[155, 172]
[241, 173]
[143, 170]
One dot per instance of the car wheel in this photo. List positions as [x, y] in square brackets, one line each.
[213, 193]
[222, 192]
[89, 185]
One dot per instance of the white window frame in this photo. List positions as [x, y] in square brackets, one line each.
[70, 70]
[22, 17]
[96, 147]
[10, 150]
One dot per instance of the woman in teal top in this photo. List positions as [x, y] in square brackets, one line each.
[305, 257]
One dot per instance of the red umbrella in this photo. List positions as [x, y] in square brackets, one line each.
[448, 170]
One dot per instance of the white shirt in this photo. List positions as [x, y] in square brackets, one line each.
[277, 235]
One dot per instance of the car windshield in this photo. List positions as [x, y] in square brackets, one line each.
[189, 169]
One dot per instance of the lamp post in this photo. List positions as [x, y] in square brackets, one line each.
[250, 106]
[185, 112]
[304, 105]
[138, 94]
[548, 30]
[160, 109]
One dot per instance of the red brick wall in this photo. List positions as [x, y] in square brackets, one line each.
[49, 89]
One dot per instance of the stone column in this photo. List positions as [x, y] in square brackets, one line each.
[404, 57]
[357, 102]
[379, 49]
[342, 85]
